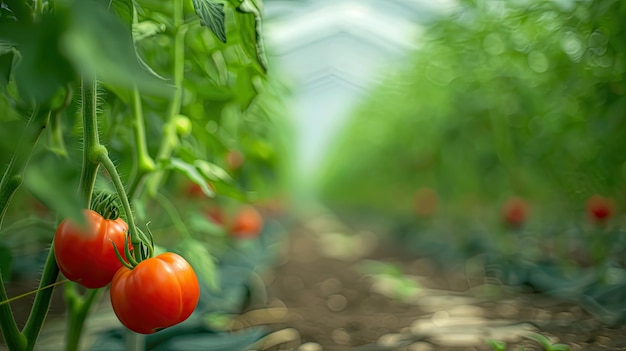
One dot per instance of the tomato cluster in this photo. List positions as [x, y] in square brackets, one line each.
[157, 293]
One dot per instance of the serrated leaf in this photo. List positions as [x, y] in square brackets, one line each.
[201, 260]
[212, 15]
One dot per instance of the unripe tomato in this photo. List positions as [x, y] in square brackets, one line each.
[158, 293]
[247, 223]
[183, 125]
[514, 212]
[86, 255]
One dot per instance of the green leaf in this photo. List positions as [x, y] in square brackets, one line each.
[6, 258]
[255, 7]
[7, 55]
[212, 15]
[221, 180]
[560, 347]
[100, 44]
[192, 173]
[54, 181]
[201, 225]
[146, 29]
[541, 339]
[496, 345]
[203, 263]
[15, 10]
[124, 10]
[42, 69]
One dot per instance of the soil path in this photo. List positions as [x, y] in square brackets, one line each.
[333, 305]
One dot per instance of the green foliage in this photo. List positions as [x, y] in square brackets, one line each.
[212, 15]
[502, 97]
[136, 98]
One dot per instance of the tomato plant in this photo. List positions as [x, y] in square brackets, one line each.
[157, 293]
[129, 96]
[87, 255]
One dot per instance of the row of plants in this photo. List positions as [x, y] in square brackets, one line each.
[123, 123]
[502, 136]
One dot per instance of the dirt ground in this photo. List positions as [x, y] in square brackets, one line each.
[332, 305]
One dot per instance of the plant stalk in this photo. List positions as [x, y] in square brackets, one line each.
[11, 181]
[121, 192]
[91, 140]
[144, 162]
[41, 305]
[170, 138]
[78, 311]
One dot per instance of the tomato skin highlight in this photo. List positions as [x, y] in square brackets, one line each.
[158, 293]
[87, 256]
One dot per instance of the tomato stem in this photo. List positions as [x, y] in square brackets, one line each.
[78, 307]
[145, 163]
[170, 137]
[41, 304]
[91, 140]
[56, 133]
[121, 192]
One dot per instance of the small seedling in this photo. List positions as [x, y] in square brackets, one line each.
[496, 345]
[545, 342]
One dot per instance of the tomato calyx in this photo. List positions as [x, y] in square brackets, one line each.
[133, 258]
[106, 204]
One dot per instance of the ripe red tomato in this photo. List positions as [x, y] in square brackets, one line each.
[158, 293]
[234, 160]
[599, 208]
[216, 215]
[87, 256]
[247, 223]
[193, 190]
[514, 212]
